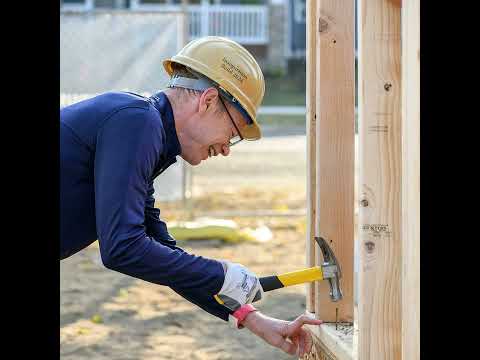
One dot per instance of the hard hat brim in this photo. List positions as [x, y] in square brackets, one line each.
[251, 132]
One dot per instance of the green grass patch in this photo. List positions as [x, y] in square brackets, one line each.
[282, 120]
[284, 91]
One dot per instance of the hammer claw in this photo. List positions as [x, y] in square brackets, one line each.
[331, 269]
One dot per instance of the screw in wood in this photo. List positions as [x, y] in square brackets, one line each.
[387, 86]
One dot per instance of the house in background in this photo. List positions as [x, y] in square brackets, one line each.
[272, 30]
[295, 42]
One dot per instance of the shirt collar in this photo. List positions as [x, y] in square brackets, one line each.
[163, 105]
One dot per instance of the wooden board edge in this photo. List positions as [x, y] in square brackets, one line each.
[330, 344]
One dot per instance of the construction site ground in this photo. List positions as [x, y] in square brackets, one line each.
[108, 315]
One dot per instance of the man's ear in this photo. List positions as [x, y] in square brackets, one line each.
[208, 98]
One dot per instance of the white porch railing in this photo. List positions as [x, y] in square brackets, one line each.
[85, 5]
[246, 24]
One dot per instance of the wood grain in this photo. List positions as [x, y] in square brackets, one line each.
[311, 158]
[380, 131]
[335, 126]
[411, 180]
[331, 343]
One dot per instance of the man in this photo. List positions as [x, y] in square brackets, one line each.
[113, 146]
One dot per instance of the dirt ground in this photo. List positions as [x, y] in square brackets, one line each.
[108, 315]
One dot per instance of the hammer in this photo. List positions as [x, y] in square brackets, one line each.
[329, 270]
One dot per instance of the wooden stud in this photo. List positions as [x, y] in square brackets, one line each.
[380, 202]
[331, 342]
[411, 180]
[335, 127]
[311, 183]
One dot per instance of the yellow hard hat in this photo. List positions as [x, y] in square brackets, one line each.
[233, 68]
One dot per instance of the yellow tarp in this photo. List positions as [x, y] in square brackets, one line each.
[226, 230]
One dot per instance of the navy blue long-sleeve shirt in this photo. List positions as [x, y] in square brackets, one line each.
[112, 146]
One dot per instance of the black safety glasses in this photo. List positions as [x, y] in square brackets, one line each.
[235, 139]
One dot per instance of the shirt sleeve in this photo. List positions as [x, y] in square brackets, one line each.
[154, 226]
[128, 147]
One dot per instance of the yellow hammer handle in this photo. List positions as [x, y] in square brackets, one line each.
[301, 276]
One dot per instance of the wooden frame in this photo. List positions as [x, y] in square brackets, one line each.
[311, 147]
[334, 144]
[387, 325]
[380, 135]
[411, 180]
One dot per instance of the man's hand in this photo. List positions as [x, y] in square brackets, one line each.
[240, 286]
[287, 336]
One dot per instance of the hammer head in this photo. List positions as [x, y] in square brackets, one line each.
[331, 269]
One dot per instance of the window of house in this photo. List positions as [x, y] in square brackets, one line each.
[299, 11]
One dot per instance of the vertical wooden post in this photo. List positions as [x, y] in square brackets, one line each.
[335, 126]
[311, 31]
[411, 180]
[380, 208]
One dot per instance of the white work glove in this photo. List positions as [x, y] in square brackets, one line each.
[240, 287]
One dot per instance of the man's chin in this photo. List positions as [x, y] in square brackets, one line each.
[192, 162]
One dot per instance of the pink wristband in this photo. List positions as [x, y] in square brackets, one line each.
[241, 313]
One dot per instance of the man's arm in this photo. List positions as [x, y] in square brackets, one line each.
[127, 150]
[126, 153]
[154, 226]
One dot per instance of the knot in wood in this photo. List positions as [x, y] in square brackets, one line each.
[322, 25]
[370, 246]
